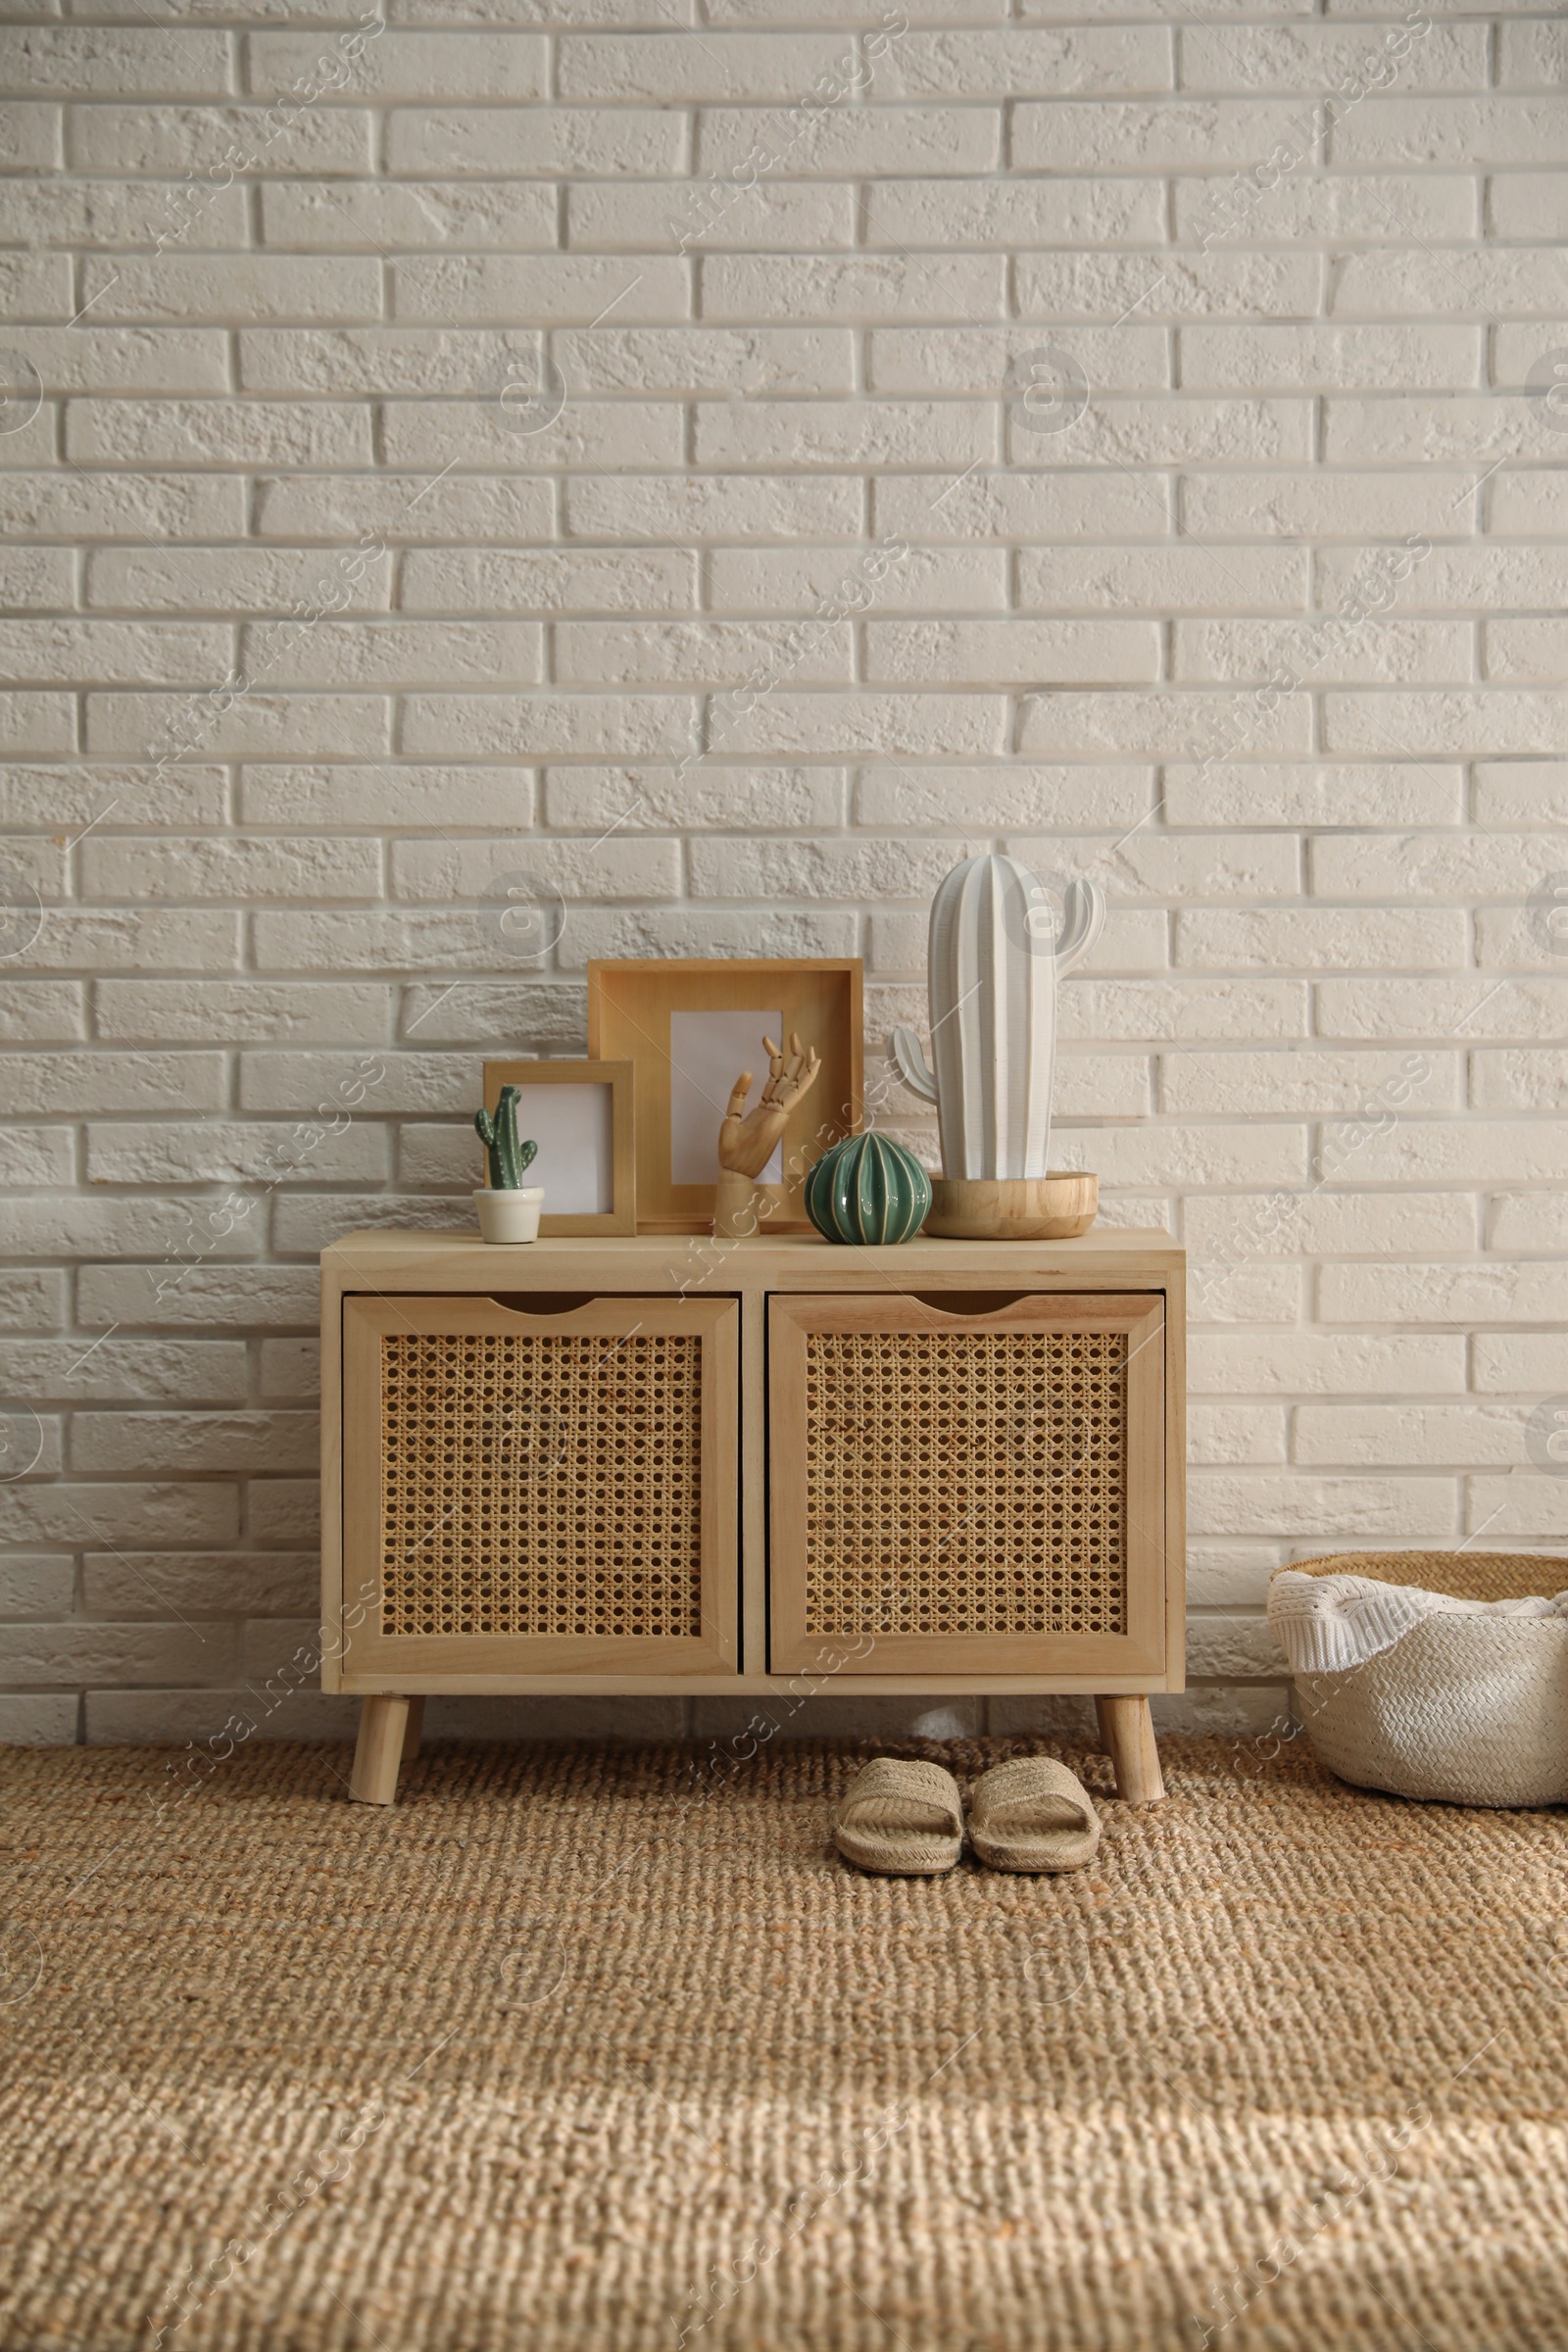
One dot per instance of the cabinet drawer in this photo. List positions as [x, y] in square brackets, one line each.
[971, 1490]
[534, 1493]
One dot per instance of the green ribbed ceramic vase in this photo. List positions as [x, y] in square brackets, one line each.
[868, 1189]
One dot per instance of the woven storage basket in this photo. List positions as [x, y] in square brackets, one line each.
[1470, 1709]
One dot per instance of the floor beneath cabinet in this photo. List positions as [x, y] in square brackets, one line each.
[597, 2050]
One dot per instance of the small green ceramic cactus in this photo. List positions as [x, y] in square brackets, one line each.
[508, 1160]
[868, 1189]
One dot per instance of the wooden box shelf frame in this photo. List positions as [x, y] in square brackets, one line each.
[748, 1306]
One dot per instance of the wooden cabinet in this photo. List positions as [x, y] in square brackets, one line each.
[631, 1465]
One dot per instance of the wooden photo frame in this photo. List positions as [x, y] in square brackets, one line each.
[595, 1145]
[690, 1024]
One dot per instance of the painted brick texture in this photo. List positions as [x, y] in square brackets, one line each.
[703, 466]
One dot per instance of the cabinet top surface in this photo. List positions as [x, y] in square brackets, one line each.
[1122, 1252]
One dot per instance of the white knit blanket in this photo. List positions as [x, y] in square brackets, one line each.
[1327, 1623]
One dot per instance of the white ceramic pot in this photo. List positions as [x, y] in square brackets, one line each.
[509, 1217]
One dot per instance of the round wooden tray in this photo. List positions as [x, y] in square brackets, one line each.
[1012, 1208]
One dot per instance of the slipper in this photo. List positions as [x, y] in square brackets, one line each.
[1032, 1813]
[901, 1818]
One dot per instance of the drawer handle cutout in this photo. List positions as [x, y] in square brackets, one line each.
[974, 1302]
[544, 1302]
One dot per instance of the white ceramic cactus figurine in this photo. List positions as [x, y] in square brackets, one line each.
[995, 955]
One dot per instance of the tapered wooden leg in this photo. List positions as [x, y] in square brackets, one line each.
[378, 1751]
[1127, 1735]
[415, 1724]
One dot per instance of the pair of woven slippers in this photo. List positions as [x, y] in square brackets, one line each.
[904, 1818]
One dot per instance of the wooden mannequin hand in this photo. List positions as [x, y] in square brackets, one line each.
[746, 1144]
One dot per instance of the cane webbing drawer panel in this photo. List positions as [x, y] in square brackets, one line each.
[547, 1482]
[969, 1484]
[536, 1485]
[988, 1469]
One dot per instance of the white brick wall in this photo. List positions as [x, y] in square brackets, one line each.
[1190, 352]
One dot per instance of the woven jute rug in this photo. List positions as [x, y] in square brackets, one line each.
[604, 2050]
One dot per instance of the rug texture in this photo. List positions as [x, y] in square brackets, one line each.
[605, 2051]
